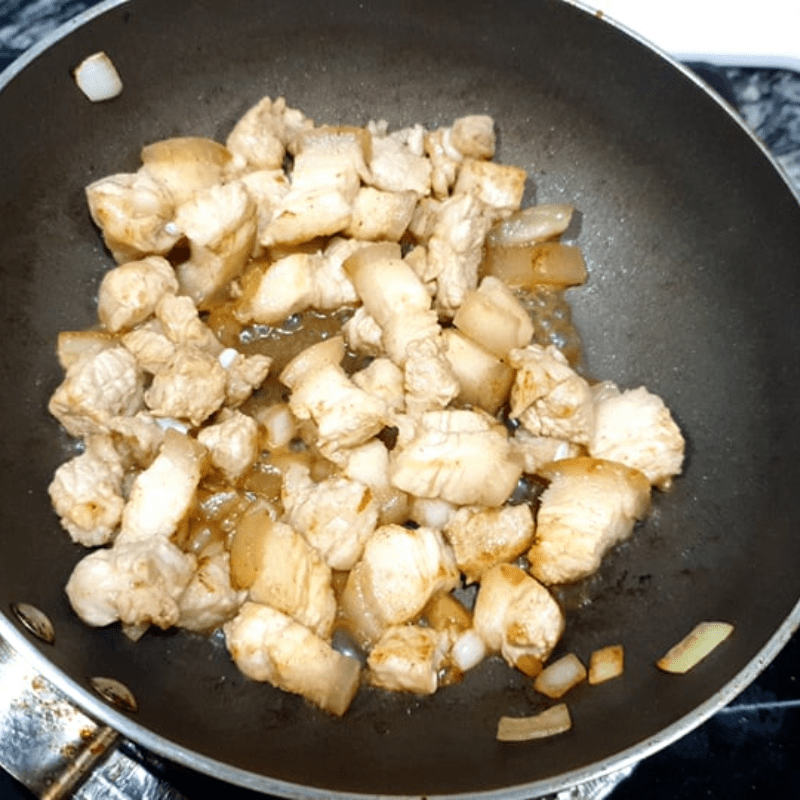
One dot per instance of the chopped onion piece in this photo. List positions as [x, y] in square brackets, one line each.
[550, 722]
[468, 650]
[97, 78]
[695, 646]
[558, 678]
[606, 663]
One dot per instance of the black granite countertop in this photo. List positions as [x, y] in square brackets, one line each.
[750, 749]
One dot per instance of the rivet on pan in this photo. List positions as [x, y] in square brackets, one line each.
[35, 621]
[115, 692]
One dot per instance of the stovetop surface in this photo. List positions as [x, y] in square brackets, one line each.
[750, 749]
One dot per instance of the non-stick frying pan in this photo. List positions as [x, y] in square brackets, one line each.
[692, 239]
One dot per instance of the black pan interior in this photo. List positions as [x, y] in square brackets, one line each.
[692, 241]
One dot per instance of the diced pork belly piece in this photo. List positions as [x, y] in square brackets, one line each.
[336, 515]
[232, 443]
[431, 512]
[408, 658]
[517, 617]
[400, 570]
[548, 397]
[260, 138]
[429, 380]
[285, 287]
[162, 494]
[484, 380]
[533, 452]
[363, 334]
[589, 506]
[209, 601]
[129, 293]
[180, 322]
[152, 348]
[636, 428]
[394, 296]
[221, 224]
[134, 213]
[455, 249]
[369, 464]
[398, 162]
[473, 136]
[270, 646]
[284, 571]
[95, 389]
[345, 415]
[383, 378]
[186, 165]
[137, 583]
[498, 186]
[482, 538]
[86, 492]
[191, 387]
[244, 374]
[457, 455]
[74, 346]
[379, 215]
[328, 168]
[137, 439]
[268, 188]
[494, 318]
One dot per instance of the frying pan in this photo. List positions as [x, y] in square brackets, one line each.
[692, 238]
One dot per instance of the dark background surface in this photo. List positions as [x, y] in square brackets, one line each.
[749, 749]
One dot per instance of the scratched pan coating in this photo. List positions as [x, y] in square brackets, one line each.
[691, 237]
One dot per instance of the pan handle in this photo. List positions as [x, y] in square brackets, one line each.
[57, 751]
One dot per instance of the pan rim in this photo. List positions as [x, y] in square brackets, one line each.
[251, 780]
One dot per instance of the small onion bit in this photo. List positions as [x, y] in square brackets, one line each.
[97, 78]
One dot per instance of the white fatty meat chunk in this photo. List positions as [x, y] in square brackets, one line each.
[137, 439]
[270, 646]
[129, 293]
[186, 164]
[533, 452]
[429, 380]
[395, 297]
[191, 387]
[244, 374]
[398, 163]
[95, 389]
[482, 538]
[328, 168]
[473, 136]
[151, 347]
[589, 506]
[517, 617]
[137, 583]
[162, 494]
[336, 516]
[232, 443]
[455, 249]
[135, 213]
[221, 225]
[268, 188]
[380, 216]
[345, 415]
[86, 493]
[548, 397]
[363, 334]
[261, 137]
[456, 455]
[636, 428]
[408, 658]
[369, 464]
[400, 570]
[383, 378]
[293, 578]
[209, 601]
[180, 322]
[498, 186]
